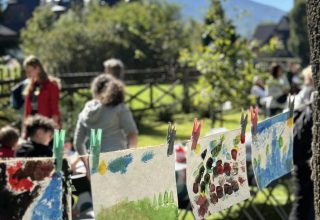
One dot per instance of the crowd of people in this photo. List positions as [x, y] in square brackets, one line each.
[272, 94]
[37, 99]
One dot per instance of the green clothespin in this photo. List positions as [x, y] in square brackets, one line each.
[95, 147]
[58, 147]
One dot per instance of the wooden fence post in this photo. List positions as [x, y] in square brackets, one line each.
[186, 96]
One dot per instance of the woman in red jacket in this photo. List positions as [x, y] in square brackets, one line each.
[42, 92]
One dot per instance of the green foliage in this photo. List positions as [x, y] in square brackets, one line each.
[160, 200]
[165, 198]
[298, 41]
[271, 47]
[142, 34]
[141, 209]
[225, 62]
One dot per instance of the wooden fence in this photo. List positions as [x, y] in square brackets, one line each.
[155, 85]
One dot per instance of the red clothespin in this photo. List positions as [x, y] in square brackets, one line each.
[196, 133]
[243, 123]
[254, 118]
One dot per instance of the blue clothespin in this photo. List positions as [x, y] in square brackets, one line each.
[171, 135]
[58, 147]
[243, 123]
[95, 148]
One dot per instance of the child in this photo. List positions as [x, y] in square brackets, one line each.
[39, 131]
[9, 137]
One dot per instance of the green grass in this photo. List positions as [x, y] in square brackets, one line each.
[153, 132]
[143, 209]
[158, 95]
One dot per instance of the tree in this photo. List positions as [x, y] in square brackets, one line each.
[313, 15]
[298, 41]
[224, 61]
[142, 34]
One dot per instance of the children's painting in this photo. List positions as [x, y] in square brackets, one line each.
[135, 184]
[31, 190]
[216, 173]
[272, 146]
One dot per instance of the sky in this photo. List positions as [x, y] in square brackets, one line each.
[285, 5]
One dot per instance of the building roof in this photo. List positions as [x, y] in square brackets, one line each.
[264, 32]
[7, 32]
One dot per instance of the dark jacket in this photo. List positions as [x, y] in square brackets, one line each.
[32, 149]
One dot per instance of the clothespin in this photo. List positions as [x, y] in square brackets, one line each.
[171, 135]
[254, 118]
[291, 105]
[95, 148]
[58, 147]
[196, 133]
[243, 123]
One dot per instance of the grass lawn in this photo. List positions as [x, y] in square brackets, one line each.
[153, 132]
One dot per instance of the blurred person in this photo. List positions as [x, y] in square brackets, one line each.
[303, 206]
[258, 90]
[304, 95]
[293, 78]
[115, 68]
[278, 89]
[39, 131]
[16, 95]
[9, 138]
[42, 91]
[106, 111]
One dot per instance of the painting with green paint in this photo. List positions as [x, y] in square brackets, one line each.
[135, 184]
[272, 149]
[217, 174]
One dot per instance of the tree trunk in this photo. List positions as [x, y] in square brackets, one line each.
[313, 14]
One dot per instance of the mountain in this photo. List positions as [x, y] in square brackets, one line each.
[245, 14]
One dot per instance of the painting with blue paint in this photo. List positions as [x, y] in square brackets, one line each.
[131, 179]
[49, 206]
[120, 164]
[33, 190]
[147, 156]
[272, 149]
[216, 173]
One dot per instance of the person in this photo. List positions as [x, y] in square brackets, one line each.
[106, 111]
[114, 67]
[40, 133]
[302, 207]
[293, 78]
[257, 90]
[42, 91]
[278, 89]
[9, 138]
[304, 95]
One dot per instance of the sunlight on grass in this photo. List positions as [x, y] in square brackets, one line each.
[153, 132]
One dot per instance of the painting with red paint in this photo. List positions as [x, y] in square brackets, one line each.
[216, 173]
[31, 189]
